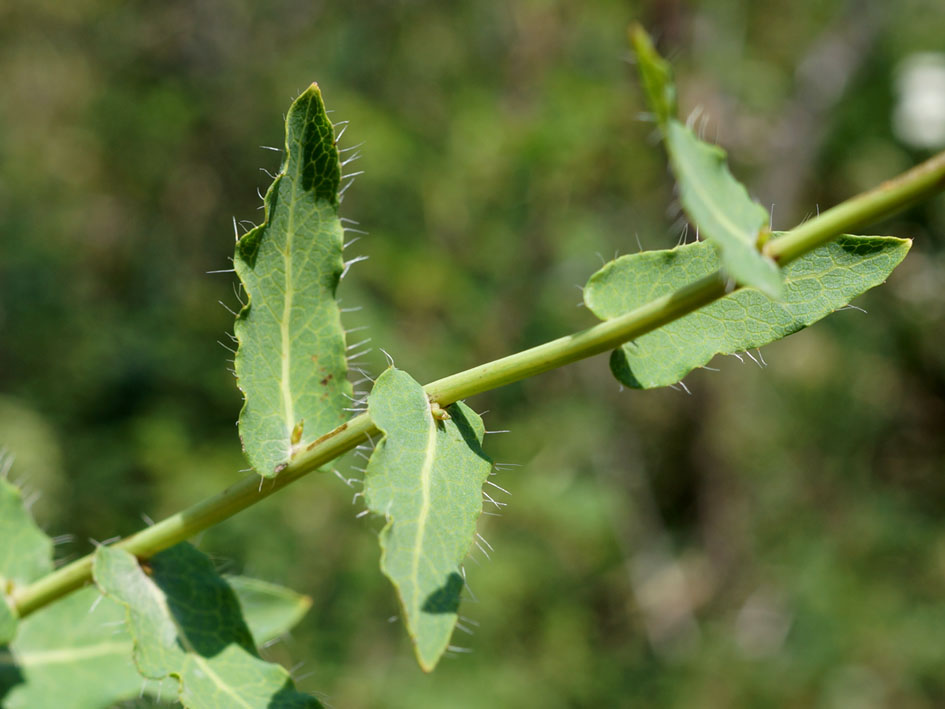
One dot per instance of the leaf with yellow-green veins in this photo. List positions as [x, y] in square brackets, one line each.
[815, 285]
[185, 622]
[425, 477]
[290, 361]
[716, 203]
[72, 654]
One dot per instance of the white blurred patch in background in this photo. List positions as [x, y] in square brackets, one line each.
[919, 116]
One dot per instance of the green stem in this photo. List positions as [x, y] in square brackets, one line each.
[908, 188]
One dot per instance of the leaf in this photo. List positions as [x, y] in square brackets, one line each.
[815, 285]
[656, 75]
[425, 476]
[25, 553]
[25, 550]
[290, 363]
[720, 206]
[73, 654]
[715, 202]
[269, 610]
[186, 623]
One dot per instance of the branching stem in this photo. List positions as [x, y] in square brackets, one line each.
[910, 187]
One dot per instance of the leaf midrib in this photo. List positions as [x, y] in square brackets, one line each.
[425, 480]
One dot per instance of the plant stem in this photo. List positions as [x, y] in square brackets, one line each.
[891, 196]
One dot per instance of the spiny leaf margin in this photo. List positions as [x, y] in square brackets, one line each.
[425, 477]
[815, 285]
[290, 362]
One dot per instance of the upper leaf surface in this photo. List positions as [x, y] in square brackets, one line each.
[186, 623]
[426, 478]
[290, 363]
[715, 202]
[815, 285]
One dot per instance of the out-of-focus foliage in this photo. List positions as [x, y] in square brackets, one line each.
[774, 539]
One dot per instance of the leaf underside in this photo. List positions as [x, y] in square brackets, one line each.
[290, 361]
[185, 622]
[425, 477]
[714, 201]
[815, 285]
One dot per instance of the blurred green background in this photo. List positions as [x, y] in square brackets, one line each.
[774, 539]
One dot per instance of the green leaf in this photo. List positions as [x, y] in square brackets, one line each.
[715, 202]
[815, 285]
[656, 75]
[186, 623]
[25, 550]
[73, 654]
[25, 553]
[425, 477]
[269, 610]
[290, 363]
[720, 206]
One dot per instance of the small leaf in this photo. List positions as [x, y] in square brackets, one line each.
[720, 206]
[290, 363]
[73, 654]
[269, 610]
[25, 551]
[426, 478]
[815, 285]
[715, 202]
[186, 623]
[656, 75]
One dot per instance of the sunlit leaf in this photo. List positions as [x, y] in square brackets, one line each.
[425, 477]
[73, 654]
[715, 202]
[290, 362]
[815, 285]
[186, 623]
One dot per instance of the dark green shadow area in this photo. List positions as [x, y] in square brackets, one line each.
[446, 598]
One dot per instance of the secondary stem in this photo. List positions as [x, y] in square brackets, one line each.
[910, 187]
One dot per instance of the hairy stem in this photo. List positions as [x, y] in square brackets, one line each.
[891, 196]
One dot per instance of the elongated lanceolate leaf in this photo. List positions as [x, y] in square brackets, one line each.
[715, 202]
[185, 622]
[815, 285]
[656, 75]
[425, 477]
[290, 362]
